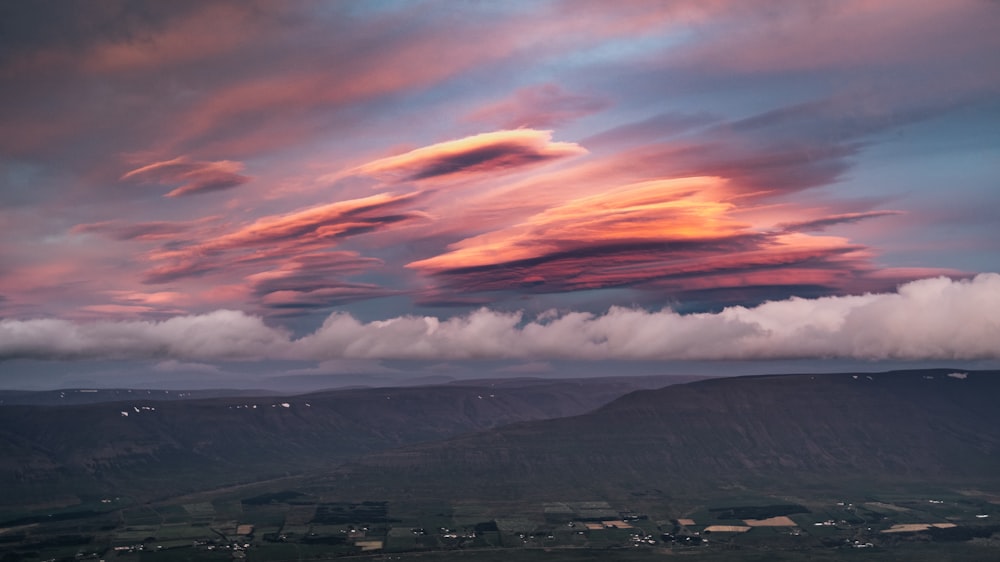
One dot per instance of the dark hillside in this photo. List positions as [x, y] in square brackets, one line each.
[150, 447]
[739, 433]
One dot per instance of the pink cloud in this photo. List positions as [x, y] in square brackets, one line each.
[486, 153]
[194, 176]
[275, 239]
[669, 236]
[329, 221]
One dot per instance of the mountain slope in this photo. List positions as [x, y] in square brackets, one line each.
[749, 432]
[146, 447]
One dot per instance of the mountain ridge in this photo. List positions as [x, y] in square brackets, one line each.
[741, 432]
[142, 446]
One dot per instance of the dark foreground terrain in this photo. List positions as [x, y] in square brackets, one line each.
[891, 466]
[69, 447]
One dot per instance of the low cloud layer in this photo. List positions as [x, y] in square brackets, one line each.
[936, 318]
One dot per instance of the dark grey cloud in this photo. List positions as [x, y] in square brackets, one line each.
[148, 230]
[496, 157]
[594, 266]
[823, 223]
[331, 294]
[26, 27]
[488, 153]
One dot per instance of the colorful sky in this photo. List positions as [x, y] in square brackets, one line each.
[194, 190]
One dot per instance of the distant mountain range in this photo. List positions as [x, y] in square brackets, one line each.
[610, 437]
[72, 396]
[64, 447]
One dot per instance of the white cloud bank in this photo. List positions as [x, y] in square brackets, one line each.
[928, 319]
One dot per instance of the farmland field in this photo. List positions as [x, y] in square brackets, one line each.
[303, 524]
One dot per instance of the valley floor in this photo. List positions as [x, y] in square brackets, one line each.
[276, 522]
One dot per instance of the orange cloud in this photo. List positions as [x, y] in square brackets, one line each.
[670, 236]
[655, 211]
[499, 151]
[194, 176]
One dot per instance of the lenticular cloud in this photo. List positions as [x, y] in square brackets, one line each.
[935, 318]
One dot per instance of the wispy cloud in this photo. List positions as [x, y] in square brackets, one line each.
[274, 238]
[143, 231]
[823, 223]
[194, 176]
[538, 107]
[315, 281]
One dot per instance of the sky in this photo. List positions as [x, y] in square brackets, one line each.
[207, 193]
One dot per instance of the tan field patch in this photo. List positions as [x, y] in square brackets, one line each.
[915, 527]
[780, 521]
[616, 524]
[244, 529]
[726, 529]
[367, 546]
[888, 506]
[685, 522]
[593, 526]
